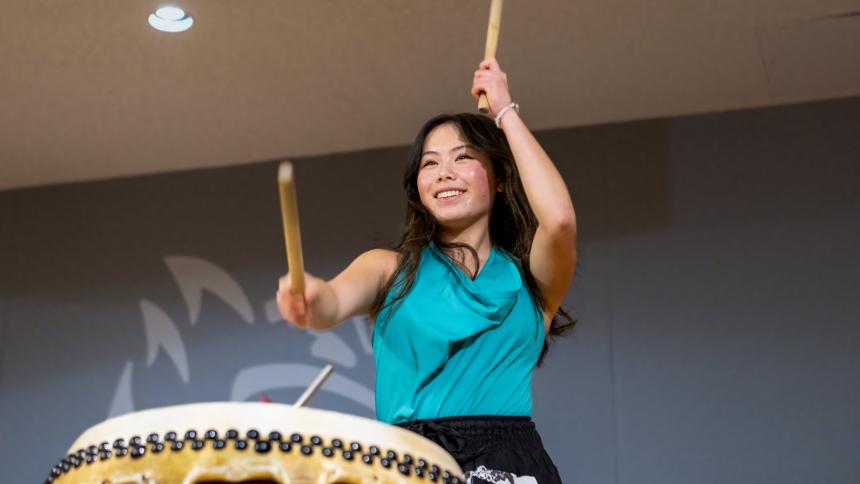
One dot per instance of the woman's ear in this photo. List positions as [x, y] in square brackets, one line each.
[500, 187]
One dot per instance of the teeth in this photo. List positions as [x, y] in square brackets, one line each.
[449, 193]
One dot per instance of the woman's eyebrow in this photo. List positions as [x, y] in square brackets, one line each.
[467, 145]
[431, 152]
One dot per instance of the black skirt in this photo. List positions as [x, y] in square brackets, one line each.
[491, 449]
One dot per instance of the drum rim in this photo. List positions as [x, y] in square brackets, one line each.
[89, 446]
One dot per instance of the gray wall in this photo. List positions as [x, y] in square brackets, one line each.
[719, 324]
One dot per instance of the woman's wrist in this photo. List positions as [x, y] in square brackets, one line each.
[505, 111]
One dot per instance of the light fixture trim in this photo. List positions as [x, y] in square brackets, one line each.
[170, 19]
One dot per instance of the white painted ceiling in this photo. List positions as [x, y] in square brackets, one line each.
[88, 90]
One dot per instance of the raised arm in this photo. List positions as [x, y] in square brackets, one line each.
[325, 304]
[553, 252]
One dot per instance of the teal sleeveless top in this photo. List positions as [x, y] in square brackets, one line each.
[456, 346]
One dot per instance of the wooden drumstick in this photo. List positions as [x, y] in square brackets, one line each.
[292, 236]
[490, 49]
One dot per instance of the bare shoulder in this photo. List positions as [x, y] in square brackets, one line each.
[357, 286]
[383, 262]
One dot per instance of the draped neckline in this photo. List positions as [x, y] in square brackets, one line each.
[493, 293]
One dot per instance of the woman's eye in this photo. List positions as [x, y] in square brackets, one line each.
[464, 157]
[428, 162]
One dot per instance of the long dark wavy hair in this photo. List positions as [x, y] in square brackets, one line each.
[512, 221]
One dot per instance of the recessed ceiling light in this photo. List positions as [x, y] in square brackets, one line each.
[170, 19]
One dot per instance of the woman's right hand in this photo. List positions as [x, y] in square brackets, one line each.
[298, 308]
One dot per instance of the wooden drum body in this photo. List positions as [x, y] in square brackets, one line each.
[251, 442]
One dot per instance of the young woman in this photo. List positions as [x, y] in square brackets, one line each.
[462, 306]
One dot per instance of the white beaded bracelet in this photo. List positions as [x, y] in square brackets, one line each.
[502, 112]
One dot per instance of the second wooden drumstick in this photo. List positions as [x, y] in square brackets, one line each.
[492, 43]
[315, 386]
[292, 235]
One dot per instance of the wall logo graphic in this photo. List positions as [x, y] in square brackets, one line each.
[164, 338]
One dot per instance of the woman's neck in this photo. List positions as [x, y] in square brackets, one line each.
[476, 236]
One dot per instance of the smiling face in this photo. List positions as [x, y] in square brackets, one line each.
[456, 182]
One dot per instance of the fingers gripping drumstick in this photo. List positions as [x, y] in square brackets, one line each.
[292, 237]
[492, 43]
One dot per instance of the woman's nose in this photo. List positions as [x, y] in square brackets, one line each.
[445, 172]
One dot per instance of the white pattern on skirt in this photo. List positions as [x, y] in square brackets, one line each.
[491, 476]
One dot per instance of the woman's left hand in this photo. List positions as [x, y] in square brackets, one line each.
[490, 80]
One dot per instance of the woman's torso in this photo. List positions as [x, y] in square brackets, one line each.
[456, 346]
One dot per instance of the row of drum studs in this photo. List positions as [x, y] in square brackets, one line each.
[136, 447]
